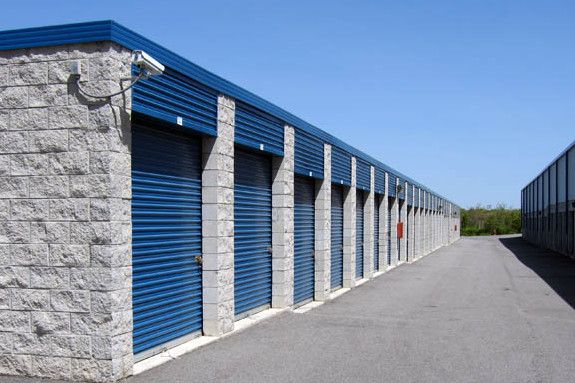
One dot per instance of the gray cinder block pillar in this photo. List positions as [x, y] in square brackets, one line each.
[218, 223]
[349, 230]
[323, 230]
[283, 224]
[65, 238]
[411, 231]
[403, 218]
[368, 224]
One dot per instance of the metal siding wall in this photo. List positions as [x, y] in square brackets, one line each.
[336, 236]
[252, 231]
[304, 234]
[571, 201]
[391, 184]
[363, 175]
[359, 234]
[562, 203]
[259, 130]
[308, 155]
[379, 183]
[376, 232]
[174, 95]
[166, 236]
[340, 166]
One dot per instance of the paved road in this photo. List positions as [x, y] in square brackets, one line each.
[482, 310]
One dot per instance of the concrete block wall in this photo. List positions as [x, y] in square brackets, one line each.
[323, 230]
[368, 224]
[65, 233]
[218, 223]
[283, 223]
[349, 229]
[403, 218]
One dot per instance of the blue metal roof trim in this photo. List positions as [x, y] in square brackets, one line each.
[379, 182]
[363, 175]
[172, 96]
[391, 184]
[258, 130]
[109, 30]
[308, 154]
[340, 166]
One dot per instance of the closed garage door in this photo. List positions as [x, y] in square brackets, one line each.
[359, 235]
[167, 237]
[336, 236]
[252, 231]
[376, 234]
[304, 233]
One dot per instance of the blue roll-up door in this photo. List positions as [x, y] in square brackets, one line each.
[389, 209]
[336, 236]
[376, 233]
[359, 235]
[379, 182]
[252, 231]
[304, 238]
[258, 130]
[308, 155]
[340, 166]
[166, 236]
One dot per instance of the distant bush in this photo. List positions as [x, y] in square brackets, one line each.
[481, 220]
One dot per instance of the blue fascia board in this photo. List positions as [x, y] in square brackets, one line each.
[109, 30]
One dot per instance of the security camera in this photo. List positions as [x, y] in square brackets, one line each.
[147, 64]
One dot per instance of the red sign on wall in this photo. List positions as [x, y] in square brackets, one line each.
[399, 230]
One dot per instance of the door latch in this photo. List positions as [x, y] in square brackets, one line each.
[199, 259]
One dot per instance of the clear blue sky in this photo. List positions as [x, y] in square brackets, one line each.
[471, 98]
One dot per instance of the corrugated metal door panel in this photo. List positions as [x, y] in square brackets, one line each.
[252, 231]
[166, 236]
[363, 171]
[379, 181]
[376, 233]
[340, 166]
[359, 235]
[409, 193]
[389, 209]
[308, 155]
[258, 130]
[173, 95]
[336, 236]
[304, 238]
[391, 184]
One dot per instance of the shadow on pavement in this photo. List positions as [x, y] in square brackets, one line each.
[557, 270]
